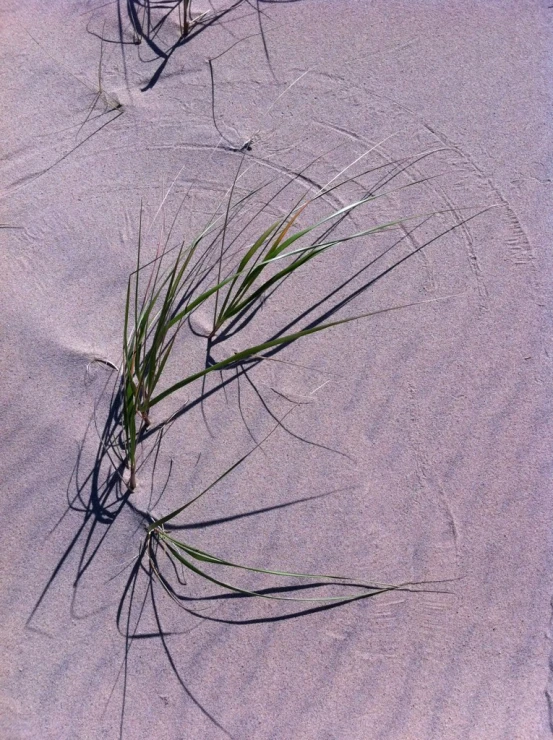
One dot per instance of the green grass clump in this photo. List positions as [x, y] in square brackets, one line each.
[201, 274]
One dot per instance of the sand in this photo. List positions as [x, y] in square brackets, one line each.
[418, 447]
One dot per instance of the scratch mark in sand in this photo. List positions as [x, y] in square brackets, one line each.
[428, 481]
[438, 190]
[521, 251]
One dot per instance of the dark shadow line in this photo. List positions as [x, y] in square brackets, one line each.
[28, 179]
[244, 515]
[240, 409]
[149, 34]
[173, 665]
[244, 365]
[273, 591]
[287, 429]
[128, 639]
[334, 309]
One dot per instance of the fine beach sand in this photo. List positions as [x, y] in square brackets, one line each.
[417, 443]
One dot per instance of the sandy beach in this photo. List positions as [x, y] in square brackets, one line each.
[412, 446]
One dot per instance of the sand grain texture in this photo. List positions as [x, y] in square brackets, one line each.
[428, 448]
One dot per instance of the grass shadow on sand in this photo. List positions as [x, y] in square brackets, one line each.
[98, 491]
[163, 28]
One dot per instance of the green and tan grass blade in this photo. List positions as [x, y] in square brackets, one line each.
[172, 295]
[175, 553]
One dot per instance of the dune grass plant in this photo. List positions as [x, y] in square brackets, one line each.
[201, 274]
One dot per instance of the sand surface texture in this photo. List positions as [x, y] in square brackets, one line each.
[414, 446]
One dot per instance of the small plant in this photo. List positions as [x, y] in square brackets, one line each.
[171, 298]
[147, 17]
[177, 286]
[164, 26]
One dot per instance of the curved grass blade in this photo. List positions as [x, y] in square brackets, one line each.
[208, 558]
[257, 349]
[246, 592]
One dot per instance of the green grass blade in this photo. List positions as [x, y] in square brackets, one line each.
[243, 263]
[208, 558]
[257, 349]
[245, 592]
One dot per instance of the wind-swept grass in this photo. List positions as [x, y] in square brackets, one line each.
[227, 275]
[154, 319]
